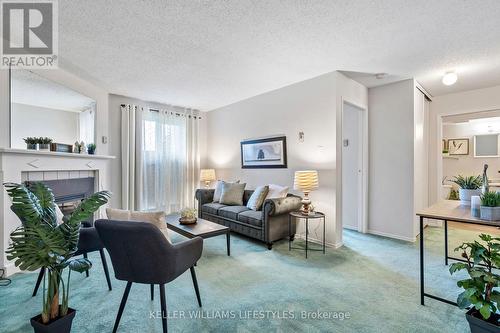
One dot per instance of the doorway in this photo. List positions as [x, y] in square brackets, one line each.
[353, 167]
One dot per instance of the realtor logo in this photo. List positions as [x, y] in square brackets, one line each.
[29, 34]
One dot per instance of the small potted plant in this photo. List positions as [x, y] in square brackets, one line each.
[490, 206]
[31, 143]
[91, 148]
[41, 242]
[188, 216]
[468, 186]
[44, 143]
[480, 289]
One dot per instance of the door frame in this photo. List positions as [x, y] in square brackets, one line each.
[363, 166]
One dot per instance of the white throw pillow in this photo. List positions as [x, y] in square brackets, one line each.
[218, 189]
[156, 218]
[59, 215]
[277, 191]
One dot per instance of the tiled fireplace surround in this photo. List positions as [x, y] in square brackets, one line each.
[17, 165]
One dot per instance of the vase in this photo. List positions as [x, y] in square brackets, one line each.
[466, 194]
[490, 213]
[479, 325]
[44, 146]
[32, 146]
[60, 325]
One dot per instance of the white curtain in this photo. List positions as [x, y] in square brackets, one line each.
[162, 167]
[86, 122]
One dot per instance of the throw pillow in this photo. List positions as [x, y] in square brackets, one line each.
[156, 218]
[257, 198]
[218, 189]
[232, 194]
[277, 191]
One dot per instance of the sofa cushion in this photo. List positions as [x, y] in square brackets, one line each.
[212, 208]
[277, 191]
[232, 194]
[156, 218]
[231, 212]
[251, 217]
[257, 199]
[218, 189]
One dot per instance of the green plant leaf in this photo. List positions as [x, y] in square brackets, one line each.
[79, 265]
[485, 311]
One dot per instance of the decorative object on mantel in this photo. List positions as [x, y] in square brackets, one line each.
[31, 143]
[264, 153]
[458, 146]
[306, 181]
[490, 206]
[486, 184]
[34, 206]
[475, 206]
[480, 294]
[469, 186]
[44, 144]
[207, 176]
[79, 148]
[91, 148]
[188, 216]
[83, 148]
[61, 148]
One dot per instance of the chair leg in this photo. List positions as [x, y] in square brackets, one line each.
[105, 266]
[163, 308]
[195, 283]
[86, 257]
[122, 306]
[39, 280]
[152, 292]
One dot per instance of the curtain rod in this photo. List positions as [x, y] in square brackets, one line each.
[171, 112]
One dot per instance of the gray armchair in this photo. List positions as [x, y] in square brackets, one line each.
[141, 254]
[268, 225]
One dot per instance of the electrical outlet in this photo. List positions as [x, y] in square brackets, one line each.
[104, 139]
[301, 136]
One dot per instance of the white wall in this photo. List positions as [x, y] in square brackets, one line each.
[391, 176]
[459, 103]
[115, 139]
[310, 106]
[29, 120]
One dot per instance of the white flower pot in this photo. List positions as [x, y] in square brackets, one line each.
[466, 194]
[490, 213]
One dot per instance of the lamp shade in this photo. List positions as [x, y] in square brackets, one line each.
[207, 175]
[306, 181]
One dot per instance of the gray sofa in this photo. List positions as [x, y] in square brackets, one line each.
[268, 225]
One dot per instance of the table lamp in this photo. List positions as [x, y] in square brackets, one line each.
[306, 181]
[207, 175]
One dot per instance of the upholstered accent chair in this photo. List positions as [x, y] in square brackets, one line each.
[267, 225]
[140, 253]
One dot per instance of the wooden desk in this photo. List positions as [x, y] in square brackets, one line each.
[446, 210]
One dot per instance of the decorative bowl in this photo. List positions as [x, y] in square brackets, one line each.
[184, 220]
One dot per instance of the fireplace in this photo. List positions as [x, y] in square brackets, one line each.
[68, 193]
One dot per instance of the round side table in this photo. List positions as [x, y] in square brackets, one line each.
[299, 215]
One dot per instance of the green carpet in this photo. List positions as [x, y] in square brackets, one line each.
[372, 279]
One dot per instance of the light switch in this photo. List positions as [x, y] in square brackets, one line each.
[104, 139]
[346, 142]
[301, 136]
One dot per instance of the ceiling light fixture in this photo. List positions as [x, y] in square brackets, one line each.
[450, 78]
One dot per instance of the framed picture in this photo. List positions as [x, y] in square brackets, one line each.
[458, 146]
[264, 153]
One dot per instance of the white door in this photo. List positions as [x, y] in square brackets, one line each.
[352, 154]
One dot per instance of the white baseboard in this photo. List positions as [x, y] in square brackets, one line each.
[385, 234]
[11, 269]
[320, 242]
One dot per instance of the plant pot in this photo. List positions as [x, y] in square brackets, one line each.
[60, 325]
[479, 325]
[44, 146]
[32, 146]
[91, 152]
[465, 195]
[490, 213]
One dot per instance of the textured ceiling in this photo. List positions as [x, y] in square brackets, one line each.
[206, 54]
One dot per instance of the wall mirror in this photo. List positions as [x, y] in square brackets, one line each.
[486, 145]
[43, 108]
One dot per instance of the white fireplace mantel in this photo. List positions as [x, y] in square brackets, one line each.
[17, 164]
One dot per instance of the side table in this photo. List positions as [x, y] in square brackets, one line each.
[299, 215]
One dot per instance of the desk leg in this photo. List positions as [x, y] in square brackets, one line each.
[289, 232]
[446, 242]
[421, 260]
[307, 233]
[228, 240]
[324, 235]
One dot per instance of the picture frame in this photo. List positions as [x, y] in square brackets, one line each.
[458, 146]
[265, 153]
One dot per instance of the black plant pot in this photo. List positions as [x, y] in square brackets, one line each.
[60, 325]
[479, 325]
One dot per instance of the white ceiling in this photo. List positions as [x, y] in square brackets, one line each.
[206, 54]
[32, 89]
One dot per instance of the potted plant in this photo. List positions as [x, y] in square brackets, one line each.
[31, 143]
[188, 216]
[91, 148]
[41, 242]
[480, 292]
[490, 206]
[468, 186]
[44, 143]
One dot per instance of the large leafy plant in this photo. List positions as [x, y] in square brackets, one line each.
[468, 182]
[479, 288]
[41, 242]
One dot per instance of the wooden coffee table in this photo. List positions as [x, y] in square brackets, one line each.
[202, 228]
